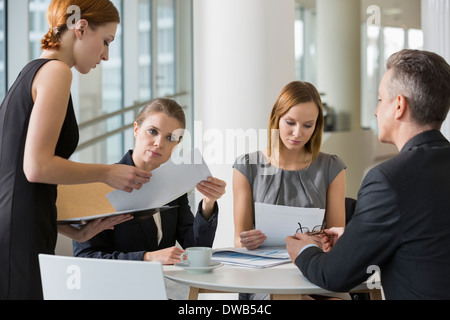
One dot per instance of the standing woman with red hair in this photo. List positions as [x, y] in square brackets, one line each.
[39, 133]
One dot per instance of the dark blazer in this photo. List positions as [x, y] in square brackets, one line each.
[401, 225]
[130, 240]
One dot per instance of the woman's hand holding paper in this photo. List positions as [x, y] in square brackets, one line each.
[252, 239]
[212, 189]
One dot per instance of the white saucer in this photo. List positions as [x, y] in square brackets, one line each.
[212, 265]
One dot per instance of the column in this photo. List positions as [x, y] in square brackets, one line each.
[243, 56]
[339, 59]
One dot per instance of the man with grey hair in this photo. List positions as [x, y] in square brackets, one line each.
[401, 223]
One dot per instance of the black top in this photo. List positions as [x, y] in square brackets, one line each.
[131, 239]
[27, 210]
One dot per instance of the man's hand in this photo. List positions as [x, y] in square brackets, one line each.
[297, 242]
[330, 238]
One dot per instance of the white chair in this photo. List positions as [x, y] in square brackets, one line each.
[70, 278]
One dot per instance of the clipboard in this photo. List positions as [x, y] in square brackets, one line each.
[77, 204]
[139, 214]
[84, 202]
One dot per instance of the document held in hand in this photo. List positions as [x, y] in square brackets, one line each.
[277, 222]
[167, 183]
[79, 203]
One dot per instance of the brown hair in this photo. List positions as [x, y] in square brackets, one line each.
[167, 106]
[291, 95]
[96, 12]
[423, 78]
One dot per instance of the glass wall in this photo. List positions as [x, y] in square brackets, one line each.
[157, 48]
[38, 26]
[145, 49]
[3, 85]
[165, 48]
[112, 95]
[154, 32]
[395, 33]
[378, 44]
[305, 44]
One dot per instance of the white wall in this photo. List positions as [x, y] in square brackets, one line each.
[338, 59]
[243, 56]
[360, 150]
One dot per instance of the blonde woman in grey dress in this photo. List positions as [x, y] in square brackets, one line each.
[292, 171]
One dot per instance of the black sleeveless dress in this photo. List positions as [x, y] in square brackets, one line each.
[27, 210]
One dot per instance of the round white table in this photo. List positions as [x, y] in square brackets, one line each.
[281, 282]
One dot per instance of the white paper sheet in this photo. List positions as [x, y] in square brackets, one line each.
[167, 183]
[258, 258]
[267, 252]
[278, 222]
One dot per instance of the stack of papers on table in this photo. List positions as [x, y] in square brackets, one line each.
[258, 258]
[276, 222]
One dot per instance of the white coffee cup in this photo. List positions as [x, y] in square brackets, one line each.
[197, 256]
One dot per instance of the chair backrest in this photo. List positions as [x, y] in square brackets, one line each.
[70, 278]
[350, 205]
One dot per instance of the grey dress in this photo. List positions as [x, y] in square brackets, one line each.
[300, 188]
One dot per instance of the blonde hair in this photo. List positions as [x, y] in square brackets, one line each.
[167, 106]
[291, 95]
[96, 12]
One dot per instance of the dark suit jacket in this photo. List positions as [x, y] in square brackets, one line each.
[401, 225]
[130, 240]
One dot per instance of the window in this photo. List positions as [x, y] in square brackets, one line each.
[38, 26]
[157, 48]
[144, 63]
[3, 85]
[305, 44]
[97, 95]
[112, 94]
[165, 66]
[378, 44]
[145, 50]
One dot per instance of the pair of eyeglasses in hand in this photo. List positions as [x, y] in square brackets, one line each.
[315, 231]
